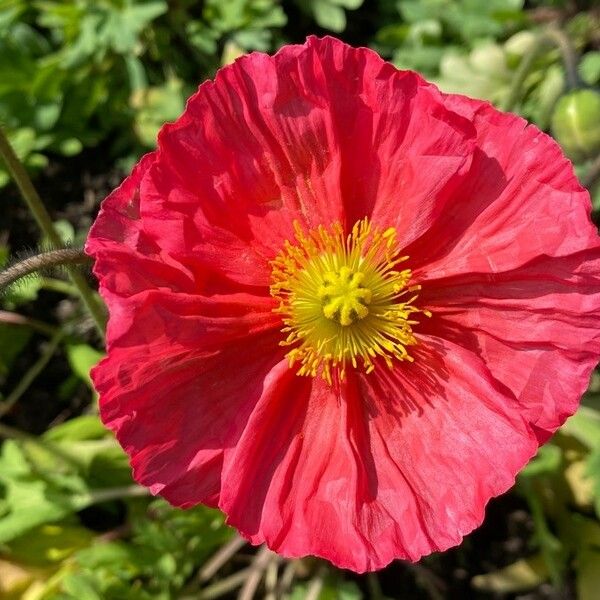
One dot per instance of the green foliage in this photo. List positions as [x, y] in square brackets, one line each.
[476, 48]
[329, 14]
[165, 548]
[561, 483]
[78, 73]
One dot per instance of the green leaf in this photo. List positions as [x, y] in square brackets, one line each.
[49, 544]
[22, 291]
[70, 147]
[521, 576]
[547, 461]
[592, 469]
[588, 574]
[32, 503]
[110, 467]
[82, 358]
[545, 95]
[65, 231]
[348, 4]
[81, 586]
[329, 16]
[589, 67]
[584, 425]
[484, 73]
[136, 73]
[85, 427]
[156, 105]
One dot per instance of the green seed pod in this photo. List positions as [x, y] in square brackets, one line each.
[576, 124]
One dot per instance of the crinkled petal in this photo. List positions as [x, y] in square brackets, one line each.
[537, 328]
[392, 465]
[519, 200]
[126, 260]
[316, 133]
[178, 390]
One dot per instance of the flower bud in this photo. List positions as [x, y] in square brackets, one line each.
[576, 124]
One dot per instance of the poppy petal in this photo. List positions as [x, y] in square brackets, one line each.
[543, 355]
[406, 460]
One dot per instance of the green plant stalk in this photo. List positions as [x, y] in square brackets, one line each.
[32, 373]
[17, 320]
[374, 587]
[592, 175]
[116, 493]
[40, 214]
[569, 55]
[552, 36]
[549, 545]
[514, 94]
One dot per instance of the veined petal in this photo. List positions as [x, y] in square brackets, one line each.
[177, 409]
[406, 460]
[542, 353]
[519, 200]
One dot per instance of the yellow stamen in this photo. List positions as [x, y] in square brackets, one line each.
[343, 299]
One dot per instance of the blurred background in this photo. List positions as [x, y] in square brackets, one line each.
[84, 87]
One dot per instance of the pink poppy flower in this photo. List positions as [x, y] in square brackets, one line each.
[345, 308]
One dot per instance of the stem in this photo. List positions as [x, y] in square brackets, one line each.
[53, 258]
[221, 557]
[374, 587]
[569, 55]
[271, 581]
[552, 36]
[315, 585]
[287, 578]
[257, 570]
[60, 286]
[514, 94]
[40, 214]
[32, 373]
[116, 493]
[549, 545]
[592, 175]
[11, 318]
[216, 590]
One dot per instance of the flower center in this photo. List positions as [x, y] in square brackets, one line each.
[343, 299]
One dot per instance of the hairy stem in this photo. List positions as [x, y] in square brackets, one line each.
[53, 258]
[40, 214]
